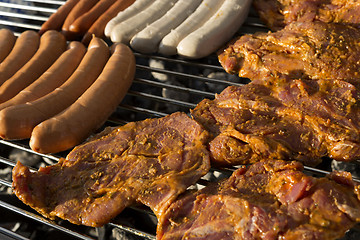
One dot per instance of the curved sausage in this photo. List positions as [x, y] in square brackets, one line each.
[216, 31]
[56, 75]
[125, 30]
[98, 27]
[78, 10]
[84, 22]
[52, 45]
[7, 41]
[205, 10]
[132, 10]
[90, 111]
[57, 19]
[25, 47]
[17, 122]
[148, 39]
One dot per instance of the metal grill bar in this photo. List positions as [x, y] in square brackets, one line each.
[31, 17]
[11, 234]
[42, 220]
[26, 148]
[27, 7]
[134, 231]
[177, 88]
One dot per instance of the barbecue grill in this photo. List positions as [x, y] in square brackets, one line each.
[162, 85]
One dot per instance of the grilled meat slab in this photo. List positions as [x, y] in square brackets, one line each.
[279, 13]
[302, 120]
[150, 161]
[269, 200]
[313, 50]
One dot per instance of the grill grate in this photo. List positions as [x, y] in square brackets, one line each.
[152, 95]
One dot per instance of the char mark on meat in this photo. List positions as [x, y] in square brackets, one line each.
[279, 13]
[269, 200]
[150, 162]
[302, 120]
[313, 50]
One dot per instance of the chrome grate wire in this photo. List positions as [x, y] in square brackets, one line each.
[152, 95]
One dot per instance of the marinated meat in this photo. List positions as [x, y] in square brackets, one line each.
[313, 50]
[150, 162]
[269, 200]
[302, 120]
[279, 13]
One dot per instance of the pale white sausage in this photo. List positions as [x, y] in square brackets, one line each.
[132, 10]
[206, 9]
[216, 31]
[147, 40]
[124, 31]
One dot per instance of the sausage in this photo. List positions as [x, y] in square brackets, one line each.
[147, 40]
[84, 22]
[90, 111]
[216, 31]
[25, 47]
[206, 9]
[129, 12]
[125, 30]
[17, 122]
[98, 27]
[56, 75]
[79, 9]
[52, 45]
[57, 19]
[7, 41]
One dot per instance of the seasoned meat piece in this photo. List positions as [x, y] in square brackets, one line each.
[302, 120]
[150, 161]
[279, 13]
[312, 50]
[269, 200]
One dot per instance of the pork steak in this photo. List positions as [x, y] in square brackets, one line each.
[269, 200]
[302, 120]
[279, 13]
[313, 50]
[150, 162]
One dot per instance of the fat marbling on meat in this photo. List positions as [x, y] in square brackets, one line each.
[279, 13]
[301, 120]
[269, 200]
[313, 50]
[150, 162]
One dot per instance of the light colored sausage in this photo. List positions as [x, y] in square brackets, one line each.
[216, 31]
[206, 9]
[25, 47]
[57, 19]
[124, 31]
[17, 122]
[138, 6]
[148, 39]
[90, 111]
[7, 41]
[56, 75]
[98, 27]
[52, 45]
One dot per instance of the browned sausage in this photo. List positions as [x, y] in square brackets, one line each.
[99, 25]
[84, 22]
[90, 111]
[52, 45]
[57, 19]
[56, 75]
[25, 47]
[7, 41]
[79, 9]
[17, 122]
